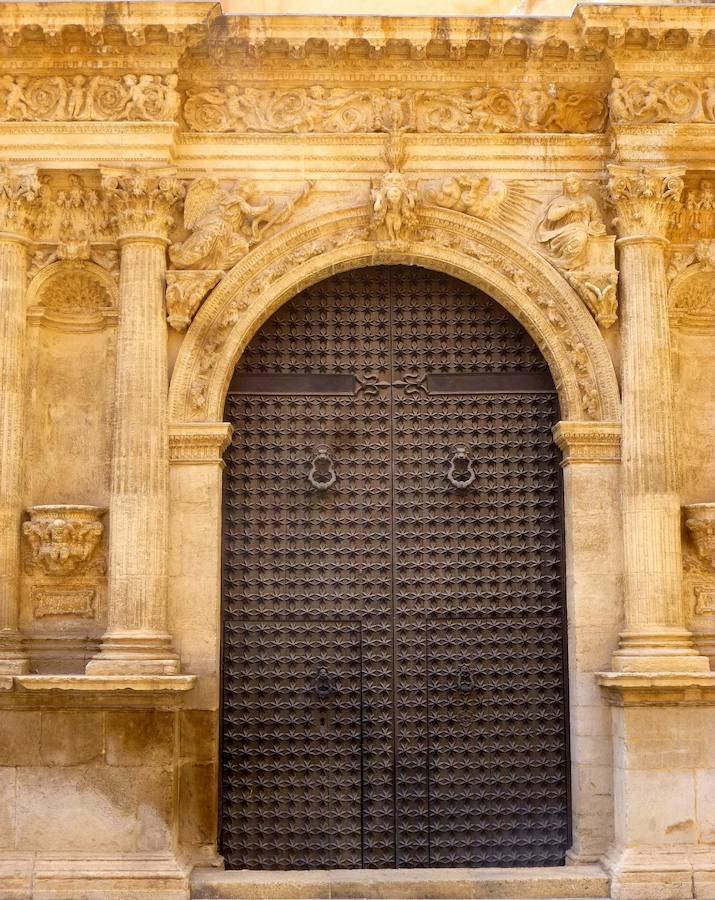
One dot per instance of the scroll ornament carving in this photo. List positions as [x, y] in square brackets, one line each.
[646, 101]
[81, 99]
[574, 348]
[257, 286]
[393, 201]
[20, 200]
[480, 109]
[645, 199]
[225, 223]
[140, 201]
[572, 235]
[63, 538]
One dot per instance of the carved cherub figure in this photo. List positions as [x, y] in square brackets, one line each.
[568, 222]
[393, 205]
[77, 97]
[226, 223]
[708, 99]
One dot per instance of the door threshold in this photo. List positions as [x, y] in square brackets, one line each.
[572, 882]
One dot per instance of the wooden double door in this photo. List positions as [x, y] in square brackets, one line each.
[393, 628]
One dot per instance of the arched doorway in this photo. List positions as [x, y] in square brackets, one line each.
[394, 673]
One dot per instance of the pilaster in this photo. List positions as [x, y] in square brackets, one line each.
[137, 640]
[19, 194]
[654, 637]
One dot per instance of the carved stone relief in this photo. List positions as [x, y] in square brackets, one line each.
[224, 224]
[695, 215]
[318, 108]
[393, 200]
[508, 203]
[642, 100]
[571, 234]
[691, 279]
[73, 295]
[97, 98]
[62, 540]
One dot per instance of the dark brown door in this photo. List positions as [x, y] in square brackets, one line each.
[394, 675]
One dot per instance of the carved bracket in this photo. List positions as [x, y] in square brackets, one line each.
[185, 292]
[62, 539]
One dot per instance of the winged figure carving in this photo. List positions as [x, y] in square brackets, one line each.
[226, 222]
[508, 204]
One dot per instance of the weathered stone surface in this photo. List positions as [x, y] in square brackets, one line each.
[140, 738]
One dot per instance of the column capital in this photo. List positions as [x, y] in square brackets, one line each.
[140, 201]
[588, 442]
[198, 443]
[645, 199]
[20, 202]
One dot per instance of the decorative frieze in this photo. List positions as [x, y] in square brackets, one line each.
[62, 539]
[650, 100]
[99, 98]
[696, 214]
[323, 109]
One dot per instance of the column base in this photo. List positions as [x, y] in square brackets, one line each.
[660, 873]
[658, 650]
[13, 657]
[134, 653]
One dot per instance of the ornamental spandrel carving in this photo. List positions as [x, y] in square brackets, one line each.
[645, 199]
[224, 224]
[20, 200]
[141, 201]
[321, 109]
[571, 234]
[62, 540]
[652, 100]
[508, 203]
[100, 98]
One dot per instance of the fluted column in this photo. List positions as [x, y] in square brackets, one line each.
[19, 197]
[654, 638]
[137, 641]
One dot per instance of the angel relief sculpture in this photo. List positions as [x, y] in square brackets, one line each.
[226, 223]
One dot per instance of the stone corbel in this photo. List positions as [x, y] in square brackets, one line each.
[185, 292]
[597, 280]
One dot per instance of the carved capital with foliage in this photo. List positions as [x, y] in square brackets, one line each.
[140, 201]
[20, 200]
[645, 199]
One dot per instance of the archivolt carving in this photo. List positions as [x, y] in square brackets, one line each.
[78, 98]
[340, 110]
[480, 254]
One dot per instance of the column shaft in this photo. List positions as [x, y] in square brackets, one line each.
[13, 275]
[655, 637]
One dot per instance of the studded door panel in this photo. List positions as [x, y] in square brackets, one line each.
[393, 504]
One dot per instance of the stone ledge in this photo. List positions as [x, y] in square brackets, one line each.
[102, 683]
[658, 688]
[455, 884]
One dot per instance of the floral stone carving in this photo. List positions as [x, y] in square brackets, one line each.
[63, 538]
[642, 100]
[700, 520]
[571, 233]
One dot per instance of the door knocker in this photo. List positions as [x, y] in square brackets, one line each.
[465, 681]
[323, 685]
[322, 474]
[460, 474]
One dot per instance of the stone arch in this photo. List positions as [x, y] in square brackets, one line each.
[474, 251]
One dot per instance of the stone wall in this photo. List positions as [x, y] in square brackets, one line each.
[170, 175]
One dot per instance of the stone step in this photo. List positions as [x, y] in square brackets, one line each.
[571, 882]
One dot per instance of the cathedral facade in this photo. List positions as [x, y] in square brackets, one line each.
[357, 501]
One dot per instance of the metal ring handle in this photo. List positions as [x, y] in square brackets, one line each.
[322, 474]
[460, 474]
